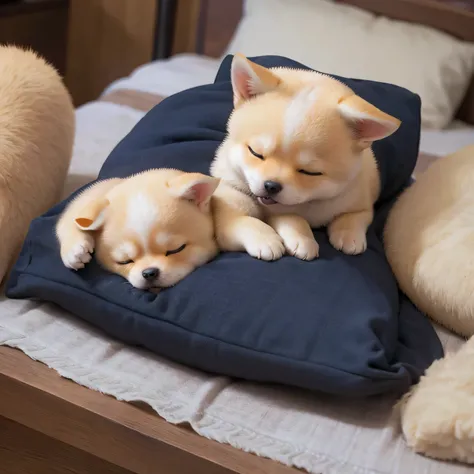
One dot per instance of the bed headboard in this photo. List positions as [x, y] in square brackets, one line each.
[206, 26]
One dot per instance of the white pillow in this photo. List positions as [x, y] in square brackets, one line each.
[351, 42]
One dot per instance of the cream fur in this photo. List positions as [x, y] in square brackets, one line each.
[429, 241]
[160, 219]
[36, 140]
[438, 414]
[430, 245]
[309, 121]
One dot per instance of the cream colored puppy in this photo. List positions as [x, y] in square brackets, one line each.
[153, 228]
[298, 156]
[429, 241]
[36, 140]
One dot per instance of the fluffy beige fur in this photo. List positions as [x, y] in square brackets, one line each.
[298, 156]
[429, 240]
[438, 414]
[36, 140]
[153, 228]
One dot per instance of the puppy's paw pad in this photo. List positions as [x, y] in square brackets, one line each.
[348, 241]
[266, 247]
[302, 247]
[78, 255]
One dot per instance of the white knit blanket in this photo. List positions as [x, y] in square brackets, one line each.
[314, 432]
[310, 431]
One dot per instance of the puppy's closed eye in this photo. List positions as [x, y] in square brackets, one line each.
[254, 153]
[310, 173]
[179, 249]
[125, 262]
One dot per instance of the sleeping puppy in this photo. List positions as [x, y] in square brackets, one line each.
[153, 228]
[37, 124]
[298, 153]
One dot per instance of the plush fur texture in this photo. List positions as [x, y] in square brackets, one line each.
[36, 140]
[429, 241]
[298, 153]
[430, 246]
[153, 228]
[438, 414]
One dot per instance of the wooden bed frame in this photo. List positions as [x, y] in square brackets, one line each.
[49, 424]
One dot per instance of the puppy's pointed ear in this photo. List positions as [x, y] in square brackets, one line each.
[92, 216]
[250, 79]
[195, 187]
[368, 122]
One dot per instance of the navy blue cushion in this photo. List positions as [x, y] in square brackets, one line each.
[337, 324]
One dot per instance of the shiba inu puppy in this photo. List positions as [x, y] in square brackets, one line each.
[298, 151]
[153, 228]
[37, 124]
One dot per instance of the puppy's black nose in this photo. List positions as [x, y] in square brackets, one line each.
[150, 273]
[272, 187]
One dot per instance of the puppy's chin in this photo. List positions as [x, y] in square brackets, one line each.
[291, 196]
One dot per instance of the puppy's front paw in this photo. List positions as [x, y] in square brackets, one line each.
[265, 246]
[302, 247]
[350, 241]
[78, 253]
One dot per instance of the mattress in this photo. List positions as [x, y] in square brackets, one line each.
[320, 434]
